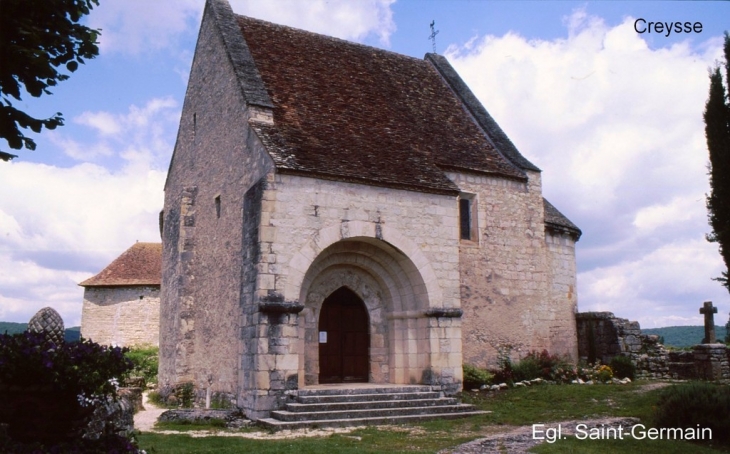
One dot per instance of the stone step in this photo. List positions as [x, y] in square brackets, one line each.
[362, 405]
[326, 398]
[284, 415]
[336, 390]
[273, 424]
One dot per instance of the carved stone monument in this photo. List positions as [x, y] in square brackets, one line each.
[49, 321]
[708, 310]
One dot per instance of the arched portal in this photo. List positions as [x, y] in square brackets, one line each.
[395, 299]
[344, 339]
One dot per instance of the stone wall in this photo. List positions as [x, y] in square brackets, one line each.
[517, 280]
[217, 158]
[711, 361]
[121, 316]
[398, 250]
[601, 336]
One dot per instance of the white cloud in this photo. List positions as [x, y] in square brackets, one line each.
[664, 287]
[60, 225]
[143, 133]
[341, 18]
[679, 209]
[136, 26]
[617, 129]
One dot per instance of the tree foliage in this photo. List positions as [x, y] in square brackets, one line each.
[717, 131]
[39, 41]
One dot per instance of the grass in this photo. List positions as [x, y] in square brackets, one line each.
[515, 407]
[182, 426]
[369, 440]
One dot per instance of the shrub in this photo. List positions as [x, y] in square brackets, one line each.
[181, 395]
[475, 377]
[72, 378]
[695, 405]
[146, 361]
[623, 367]
[84, 368]
[527, 368]
[185, 394]
[108, 444]
[603, 373]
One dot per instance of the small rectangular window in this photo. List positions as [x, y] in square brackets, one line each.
[465, 219]
[218, 206]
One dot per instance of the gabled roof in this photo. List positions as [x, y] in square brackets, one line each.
[141, 264]
[349, 112]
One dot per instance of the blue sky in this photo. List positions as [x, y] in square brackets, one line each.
[613, 117]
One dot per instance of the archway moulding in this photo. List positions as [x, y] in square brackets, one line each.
[388, 239]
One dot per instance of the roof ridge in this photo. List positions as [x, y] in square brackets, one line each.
[249, 79]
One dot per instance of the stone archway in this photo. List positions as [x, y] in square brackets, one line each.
[394, 294]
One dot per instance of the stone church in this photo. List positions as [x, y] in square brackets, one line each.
[340, 213]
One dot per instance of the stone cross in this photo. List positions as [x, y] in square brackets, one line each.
[708, 310]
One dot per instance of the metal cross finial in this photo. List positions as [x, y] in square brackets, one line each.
[433, 34]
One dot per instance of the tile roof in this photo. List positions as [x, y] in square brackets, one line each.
[557, 221]
[351, 112]
[141, 264]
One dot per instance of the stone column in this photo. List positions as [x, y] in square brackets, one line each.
[444, 334]
[276, 361]
[186, 288]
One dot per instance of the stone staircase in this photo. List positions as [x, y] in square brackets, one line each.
[357, 405]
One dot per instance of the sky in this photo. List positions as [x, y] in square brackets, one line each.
[613, 117]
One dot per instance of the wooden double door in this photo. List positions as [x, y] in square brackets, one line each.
[344, 339]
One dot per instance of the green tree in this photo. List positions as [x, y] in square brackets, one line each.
[717, 131]
[38, 39]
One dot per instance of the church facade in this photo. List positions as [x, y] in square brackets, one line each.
[340, 213]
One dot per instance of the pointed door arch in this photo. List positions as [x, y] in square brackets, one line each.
[344, 338]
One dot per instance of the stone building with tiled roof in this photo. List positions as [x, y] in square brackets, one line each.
[122, 303]
[340, 213]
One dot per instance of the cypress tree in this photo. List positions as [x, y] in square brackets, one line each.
[717, 131]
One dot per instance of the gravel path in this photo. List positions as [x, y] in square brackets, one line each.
[145, 420]
[519, 440]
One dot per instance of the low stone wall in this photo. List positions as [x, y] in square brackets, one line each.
[681, 365]
[233, 418]
[711, 361]
[602, 336]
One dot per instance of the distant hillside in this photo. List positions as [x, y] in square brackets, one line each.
[71, 334]
[684, 336]
[12, 328]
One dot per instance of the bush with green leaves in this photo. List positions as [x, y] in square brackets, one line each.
[696, 405]
[84, 368]
[475, 377]
[543, 365]
[146, 361]
[623, 367]
[528, 368]
[73, 378]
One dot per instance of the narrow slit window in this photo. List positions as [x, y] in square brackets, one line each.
[465, 219]
[218, 206]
